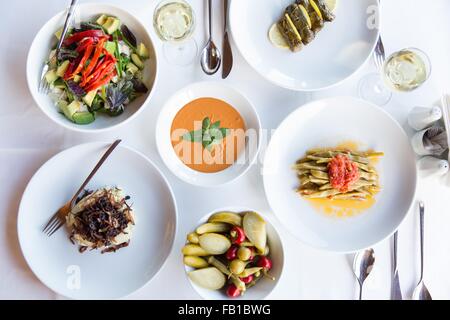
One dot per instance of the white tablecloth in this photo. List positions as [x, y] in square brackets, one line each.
[28, 139]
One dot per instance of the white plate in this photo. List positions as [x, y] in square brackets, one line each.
[218, 91]
[45, 41]
[57, 262]
[339, 49]
[326, 123]
[265, 286]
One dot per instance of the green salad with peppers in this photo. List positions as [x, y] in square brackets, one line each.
[98, 70]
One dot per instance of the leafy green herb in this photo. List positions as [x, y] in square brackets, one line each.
[206, 123]
[215, 125]
[210, 134]
[193, 136]
[97, 104]
[117, 95]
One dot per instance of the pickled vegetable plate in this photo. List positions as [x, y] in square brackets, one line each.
[262, 288]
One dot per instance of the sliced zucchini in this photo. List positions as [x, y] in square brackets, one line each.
[76, 78]
[89, 97]
[137, 61]
[102, 19]
[132, 68]
[62, 104]
[142, 51]
[110, 46]
[84, 117]
[62, 68]
[70, 109]
[51, 76]
[111, 25]
[59, 83]
[58, 33]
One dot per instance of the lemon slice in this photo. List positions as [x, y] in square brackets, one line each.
[276, 38]
[331, 4]
[305, 13]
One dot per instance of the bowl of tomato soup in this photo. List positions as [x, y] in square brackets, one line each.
[208, 134]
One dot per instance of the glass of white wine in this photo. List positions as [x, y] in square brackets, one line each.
[402, 71]
[174, 23]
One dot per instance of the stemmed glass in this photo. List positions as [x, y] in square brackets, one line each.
[402, 71]
[174, 23]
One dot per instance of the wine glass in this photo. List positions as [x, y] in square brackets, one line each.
[402, 71]
[174, 23]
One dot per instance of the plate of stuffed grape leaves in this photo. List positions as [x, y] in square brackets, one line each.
[305, 45]
[340, 174]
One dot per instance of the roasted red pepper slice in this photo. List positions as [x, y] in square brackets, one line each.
[97, 73]
[107, 75]
[101, 64]
[84, 44]
[92, 64]
[83, 60]
[83, 34]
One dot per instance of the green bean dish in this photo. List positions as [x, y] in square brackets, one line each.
[339, 174]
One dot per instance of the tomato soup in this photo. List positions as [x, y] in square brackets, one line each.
[208, 135]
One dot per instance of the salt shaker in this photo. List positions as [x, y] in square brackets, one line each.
[420, 118]
[431, 166]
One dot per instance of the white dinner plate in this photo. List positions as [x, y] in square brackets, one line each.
[92, 275]
[327, 123]
[338, 50]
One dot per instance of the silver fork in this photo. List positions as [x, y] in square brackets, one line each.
[44, 86]
[379, 55]
[59, 218]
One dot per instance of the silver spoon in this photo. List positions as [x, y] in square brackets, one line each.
[362, 266]
[421, 291]
[210, 60]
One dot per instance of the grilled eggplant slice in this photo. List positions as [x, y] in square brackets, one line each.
[290, 33]
[302, 22]
[314, 14]
[327, 14]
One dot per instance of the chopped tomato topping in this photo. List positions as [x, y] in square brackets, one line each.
[343, 172]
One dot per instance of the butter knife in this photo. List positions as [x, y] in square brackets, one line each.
[396, 291]
[226, 50]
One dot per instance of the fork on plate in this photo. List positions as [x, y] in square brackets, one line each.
[44, 86]
[59, 218]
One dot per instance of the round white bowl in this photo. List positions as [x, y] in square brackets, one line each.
[327, 123]
[264, 286]
[218, 91]
[45, 40]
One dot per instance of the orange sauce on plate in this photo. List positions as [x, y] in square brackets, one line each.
[221, 155]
